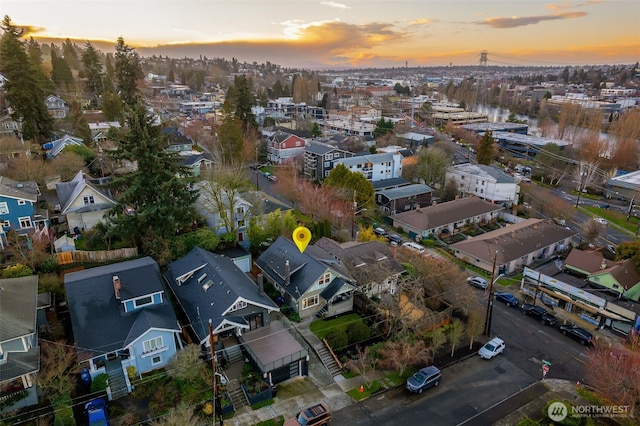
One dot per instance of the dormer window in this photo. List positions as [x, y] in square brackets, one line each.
[88, 200]
[325, 279]
[142, 301]
[240, 305]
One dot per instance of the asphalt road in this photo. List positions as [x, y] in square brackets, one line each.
[473, 385]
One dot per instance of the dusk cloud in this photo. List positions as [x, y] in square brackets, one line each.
[516, 21]
[334, 5]
[569, 5]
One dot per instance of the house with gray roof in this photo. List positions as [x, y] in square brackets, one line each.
[514, 246]
[19, 350]
[487, 182]
[213, 292]
[403, 198]
[309, 281]
[624, 187]
[370, 263]
[83, 202]
[450, 217]
[122, 317]
[19, 209]
[320, 158]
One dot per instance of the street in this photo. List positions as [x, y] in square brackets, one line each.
[473, 385]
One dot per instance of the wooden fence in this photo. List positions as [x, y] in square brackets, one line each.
[81, 256]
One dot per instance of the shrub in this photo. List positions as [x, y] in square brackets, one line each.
[358, 332]
[337, 339]
[63, 409]
[527, 422]
[18, 270]
[49, 265]
[131, 372]
[99, 384]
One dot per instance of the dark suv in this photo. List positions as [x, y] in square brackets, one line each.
[578, 334]
[539, 313]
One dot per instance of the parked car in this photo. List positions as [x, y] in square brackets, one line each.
[394, 238]
[315, 415]
[507, 298]
[601, 221]
[539, 313]
[478, 282]
[578, 334]
[413, 246]
[379, 231]
[423, 379]
[96, 410]
[492, 348]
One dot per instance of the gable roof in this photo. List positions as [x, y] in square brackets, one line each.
[514, 241]
[625, 273]
[303, 271]
[55, 147]
[445, 213]
[352, 256]
[68, 192]
[207, 285]
[406, 191]
[99, 322]
[587, 262]
[18, 298]
[27, 190]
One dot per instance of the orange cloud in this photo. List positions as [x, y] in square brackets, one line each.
[569, 5]
[516, 21]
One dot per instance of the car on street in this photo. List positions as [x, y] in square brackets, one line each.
[478, 282]
[492, 348]
[611, 248]
[394, 238]
[601, 221]
[423, 379]
[578, 334]
[96, 410]
[539, 313]
[507, 298]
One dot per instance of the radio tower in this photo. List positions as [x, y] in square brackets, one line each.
[483, 58]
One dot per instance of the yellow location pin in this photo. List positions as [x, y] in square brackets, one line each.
[301, 236]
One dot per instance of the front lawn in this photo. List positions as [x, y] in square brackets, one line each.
[614, 217]
[323, 327]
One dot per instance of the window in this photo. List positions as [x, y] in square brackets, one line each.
[21, 202]
[298, 143]
[25, 222]
[6, 224]
[240, 305]
[202, 277]
[336, 155]
[310, 302]
[240, 210]
[152, 345]
[4, 208]
[88, 200]
[143, 301]
[325, 279]
[241, 224]
[156, 360]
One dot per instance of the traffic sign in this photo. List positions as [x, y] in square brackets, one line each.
[545, 368]
[545, 362]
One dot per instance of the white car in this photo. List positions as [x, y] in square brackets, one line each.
[492, 348]
[478, 282]
[601, 221]
[413, 246]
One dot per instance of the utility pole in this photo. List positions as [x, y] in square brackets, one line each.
[487, 320]
[212, 339]
[535, 296]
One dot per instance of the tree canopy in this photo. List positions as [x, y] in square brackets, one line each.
[352, 185]
[485, 151]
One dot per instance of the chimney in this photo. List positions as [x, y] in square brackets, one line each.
[260, 284]
[287, 273]
[116, 286]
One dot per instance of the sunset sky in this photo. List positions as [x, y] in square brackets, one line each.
[348, 33]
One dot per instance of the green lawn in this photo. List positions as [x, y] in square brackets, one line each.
[322, 327]
[614, 217]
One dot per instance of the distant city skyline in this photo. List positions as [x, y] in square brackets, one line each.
[343, 34]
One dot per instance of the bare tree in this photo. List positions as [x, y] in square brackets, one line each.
[363, 364]
[403, 351]
[58, 368]
[437, 339]
[475, 325]
[591, 230]
[183, 414]
[456, 331]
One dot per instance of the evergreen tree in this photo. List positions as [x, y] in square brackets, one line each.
[230, 136]
[60, 71]
[92, 70]
[242, 101]
[354, 186]
[153, 201]
[35, 56]
[109, 74]
[383, 127]
[23, 90]
[112, 106]
[485, 150]
[70, 54]
[127, 72]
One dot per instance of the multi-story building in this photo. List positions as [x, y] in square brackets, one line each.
[320, 158]
[375, 167]
[486, 182]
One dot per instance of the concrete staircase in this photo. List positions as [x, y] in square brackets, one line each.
[117, 383]
[327, 360]
[234, 354]
[237, 395]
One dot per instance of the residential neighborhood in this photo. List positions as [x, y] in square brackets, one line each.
[148, 249]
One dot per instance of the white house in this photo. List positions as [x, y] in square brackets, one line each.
[375, 167]
[486, 182]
